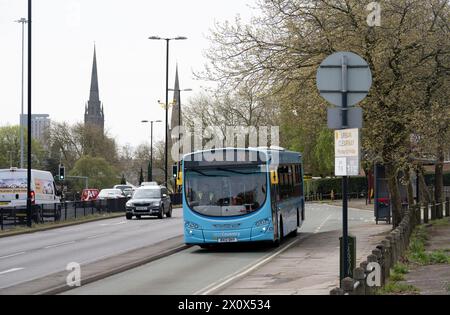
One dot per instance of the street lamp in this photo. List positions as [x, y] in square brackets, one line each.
[167, 97]
[23, 21]
[151, 145]
[29, 204]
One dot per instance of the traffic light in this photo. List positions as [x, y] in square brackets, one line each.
[62, 172]
[175, 170]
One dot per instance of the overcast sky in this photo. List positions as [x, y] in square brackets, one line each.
[131, 68]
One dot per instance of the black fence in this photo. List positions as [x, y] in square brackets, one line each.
[67, 210]
[335, 196]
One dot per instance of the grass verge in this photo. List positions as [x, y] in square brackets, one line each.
[53, 225]
[416, 252]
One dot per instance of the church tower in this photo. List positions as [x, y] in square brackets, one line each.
[93, 114]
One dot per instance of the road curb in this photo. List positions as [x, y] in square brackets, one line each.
[56, 226]
[225, 282]
[56, 283]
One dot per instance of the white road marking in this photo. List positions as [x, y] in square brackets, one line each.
[10, 270]
[96, 236]
[111, 224]
[12, 255]
[60, 244]
[247, 269]
[317, 230]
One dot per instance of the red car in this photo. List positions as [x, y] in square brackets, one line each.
[89, 194]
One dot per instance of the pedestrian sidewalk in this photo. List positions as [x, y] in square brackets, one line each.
[352, 203]
[431, 276]
[310, 267]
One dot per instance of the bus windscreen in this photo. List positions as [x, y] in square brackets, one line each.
[225, 191]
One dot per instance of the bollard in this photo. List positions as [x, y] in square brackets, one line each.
[433, 211]
[377, 252]
[347, 285]
[390, 239]
[425, 213]
[387, 257]
[395, 242]
[337, 291]
[360, 278]
[439, 210]
[382, 262]
[418, 216]
[370, 290]
[447, 207]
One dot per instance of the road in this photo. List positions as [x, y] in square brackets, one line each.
[197, 271]
[30, 256]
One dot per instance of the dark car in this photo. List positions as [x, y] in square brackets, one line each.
[149, 200]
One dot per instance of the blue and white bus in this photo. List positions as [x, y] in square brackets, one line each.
[245, 195]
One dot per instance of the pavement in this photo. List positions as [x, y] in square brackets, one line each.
[27, 257]
[306, 264]
[433, 279]
[311, 266]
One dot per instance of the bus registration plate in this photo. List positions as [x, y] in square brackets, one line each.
[227, 239]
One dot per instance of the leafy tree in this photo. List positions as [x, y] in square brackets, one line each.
[10, 148]
[279, 51]
[101, 174]
[141, 177]
[75, 141]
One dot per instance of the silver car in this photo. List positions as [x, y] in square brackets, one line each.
[149, 200]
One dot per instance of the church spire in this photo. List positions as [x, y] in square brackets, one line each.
[94, 114]
[176, 102]
[94, 95]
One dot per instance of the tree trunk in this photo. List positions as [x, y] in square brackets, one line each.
[425, 195]
[394, 192]
[410, 189]
[439, 176]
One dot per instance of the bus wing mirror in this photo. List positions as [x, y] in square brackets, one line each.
[274, 177]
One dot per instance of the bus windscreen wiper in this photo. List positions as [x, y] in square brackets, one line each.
[203, 174]
[237, 172]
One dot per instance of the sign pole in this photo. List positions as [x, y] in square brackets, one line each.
[344, 79]
[344, 178]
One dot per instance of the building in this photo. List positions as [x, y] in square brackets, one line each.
[93, 112]
[40, 125]
[175, 115]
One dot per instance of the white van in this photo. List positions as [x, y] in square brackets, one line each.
[13, 188]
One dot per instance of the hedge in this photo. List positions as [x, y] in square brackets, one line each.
[326, 185]
[429, 179]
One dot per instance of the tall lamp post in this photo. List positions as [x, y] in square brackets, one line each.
[151, 145]
[23, 21]
[29, 212]
[167, 98]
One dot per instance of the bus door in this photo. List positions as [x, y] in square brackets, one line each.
[274, 196]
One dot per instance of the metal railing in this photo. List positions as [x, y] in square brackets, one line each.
[63, 211]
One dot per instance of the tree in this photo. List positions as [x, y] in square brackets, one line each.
[123, 181]
[101, 174]
[10, 149]
[279, 52]
[141, 177]
[75, 141]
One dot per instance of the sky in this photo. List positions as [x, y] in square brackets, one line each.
[131, 68]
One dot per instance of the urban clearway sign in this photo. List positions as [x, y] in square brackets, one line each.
[346, 150]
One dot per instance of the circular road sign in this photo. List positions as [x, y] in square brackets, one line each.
[344, 72]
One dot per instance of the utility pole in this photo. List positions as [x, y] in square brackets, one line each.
[23, 21]
[29, 205]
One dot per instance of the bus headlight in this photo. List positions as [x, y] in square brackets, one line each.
[191, 225]
[262, 222]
